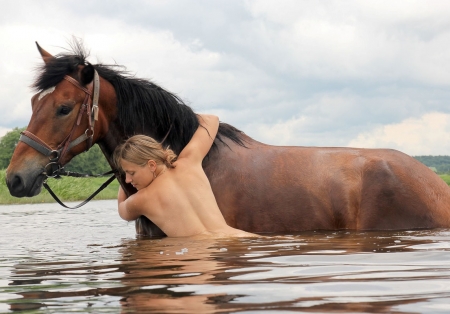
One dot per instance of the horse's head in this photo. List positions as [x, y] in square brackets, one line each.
[61, 125]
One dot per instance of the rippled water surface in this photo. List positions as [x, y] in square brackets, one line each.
[55, 260]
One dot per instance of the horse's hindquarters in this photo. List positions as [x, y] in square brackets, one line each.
[288, 189]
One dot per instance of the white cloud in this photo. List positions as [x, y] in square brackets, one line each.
[427, 135]
[3, 131]
[357, 39]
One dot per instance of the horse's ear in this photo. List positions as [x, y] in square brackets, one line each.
[44, 54]
[87, 74]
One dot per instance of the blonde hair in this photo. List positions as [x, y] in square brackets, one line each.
[139, 149]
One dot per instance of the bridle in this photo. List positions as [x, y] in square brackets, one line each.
[54, 169]
[90, 107]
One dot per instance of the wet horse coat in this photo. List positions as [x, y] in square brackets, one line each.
[259, 188]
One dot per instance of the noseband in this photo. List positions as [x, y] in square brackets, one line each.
[90, 106]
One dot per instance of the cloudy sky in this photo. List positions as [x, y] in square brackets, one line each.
[286, 72]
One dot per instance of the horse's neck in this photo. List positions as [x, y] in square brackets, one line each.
[108, 144]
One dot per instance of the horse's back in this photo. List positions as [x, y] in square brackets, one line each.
[263, 188]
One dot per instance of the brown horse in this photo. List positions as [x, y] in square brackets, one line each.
[259, 188]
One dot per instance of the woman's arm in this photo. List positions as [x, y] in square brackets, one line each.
[125, 205]
[203, 138]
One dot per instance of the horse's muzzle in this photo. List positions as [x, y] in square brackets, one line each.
[20, 185]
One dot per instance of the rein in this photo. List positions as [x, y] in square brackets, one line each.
[54, 169]
[74, 174]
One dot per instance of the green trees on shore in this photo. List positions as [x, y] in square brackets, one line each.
[440, 163]
[91, 162]
[7, 145]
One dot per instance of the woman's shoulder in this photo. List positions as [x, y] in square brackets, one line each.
[184, 168]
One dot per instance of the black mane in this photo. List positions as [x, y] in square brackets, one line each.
[143, 107]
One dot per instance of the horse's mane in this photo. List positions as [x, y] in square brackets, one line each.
[143, 107]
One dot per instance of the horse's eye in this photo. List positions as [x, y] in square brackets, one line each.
[63, 111]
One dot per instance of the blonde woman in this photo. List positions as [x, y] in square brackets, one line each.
[173, 191]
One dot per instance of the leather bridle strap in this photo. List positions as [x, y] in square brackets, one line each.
[38, 144]
[95, 98]
[89, 133]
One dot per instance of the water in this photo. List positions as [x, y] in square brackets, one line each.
[54, 260]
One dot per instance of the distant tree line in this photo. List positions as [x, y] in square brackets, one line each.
[440, 163]
[91, 162]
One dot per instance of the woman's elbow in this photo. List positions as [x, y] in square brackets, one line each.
[124, 214]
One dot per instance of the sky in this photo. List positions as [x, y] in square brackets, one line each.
[370, 74]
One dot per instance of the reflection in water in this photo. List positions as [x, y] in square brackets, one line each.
[156, 265]
[90, 261]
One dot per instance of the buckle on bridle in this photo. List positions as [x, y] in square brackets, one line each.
[54, 155]
[52, 170]
[89, 132]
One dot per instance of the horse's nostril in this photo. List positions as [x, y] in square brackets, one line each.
[16, 184]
